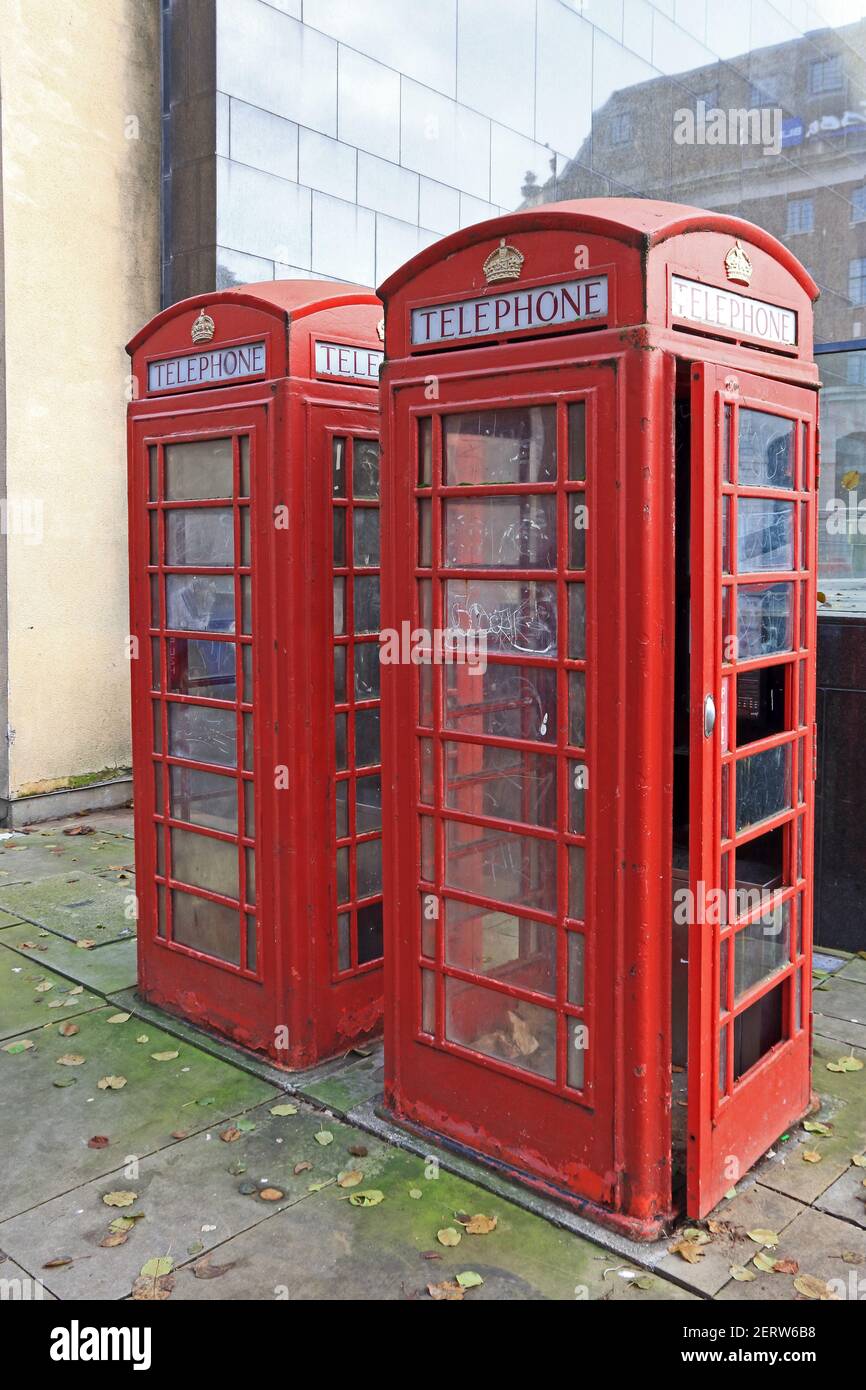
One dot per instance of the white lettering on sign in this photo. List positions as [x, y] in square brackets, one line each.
[735, 313]
[511, 311]
[206, 368]
[338, 359]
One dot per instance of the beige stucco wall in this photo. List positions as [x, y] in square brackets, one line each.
[79, 81]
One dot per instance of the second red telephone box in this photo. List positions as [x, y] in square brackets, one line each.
[600, 430]
[254, 579]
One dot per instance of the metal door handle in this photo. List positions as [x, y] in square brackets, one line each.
[709, 715]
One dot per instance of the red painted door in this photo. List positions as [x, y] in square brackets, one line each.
[753, 561]
[502, 773]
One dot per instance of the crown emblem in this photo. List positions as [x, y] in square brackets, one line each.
[505, 263]
[203, 328]
[380, 329]
[738, 267]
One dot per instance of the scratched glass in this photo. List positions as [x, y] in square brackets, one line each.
[367, 670]
[501, 864]
[762, 948]
[764, 619]
[507, 701]
[514, 615]
[500, 532]
[203, 734]
[498, 1026]
[204, 798]
[200, 602]
[766, 450]
[365, 468]
[500, 945]
[514, 445]
[203, 862]
[763, 785]
[504, 783]
[202, 468]
[199, 667]
[765, 534]
[199, 536]
[365, 532]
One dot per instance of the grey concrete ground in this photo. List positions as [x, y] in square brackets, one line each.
[129, 1138]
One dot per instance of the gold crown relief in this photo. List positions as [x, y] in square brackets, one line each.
[203, 328]
[738, 267]
[505, 263]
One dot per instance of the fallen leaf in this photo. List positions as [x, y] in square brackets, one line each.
[522, 1036]
[58, 1262]
[284, 1110]
[163, 1056]
[118, 1018]
[358, 1150]
[203, 1269]
[68, 1030]
[121, 1198]
[851, 1257]
[229, 1136]
[98, 1141]
[351, 1178]
[845, 1064]
[121, 1224]
[481, 1225]
[76, 989]
[764, 1262]
[113, 1239]
[415, 1193]
[70, 1059]
[142, 1038]
[245, 1126]
[153, 1289]
[741, 1274]
[786, 1267]
[850, 479]
[810, 1286]
[811, 1156]
[237, 1169]
[859, 1160]
[730, 1194]
[469, 1279]
[303, 1167]
[448, 1236]
[689, 1249]
[43, 988]
[65, 1081]
[449, 1291]
[79, 830]
[156, 1268]
[760, 1236]
[371, 1197]
[111, 1083]
[696, 1235]
[180, 1134]
[323, 1137]
[19, 1045]
[272, 1194]
[85, 944]
[815, 1127]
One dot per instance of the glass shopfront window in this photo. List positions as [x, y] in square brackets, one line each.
[842, 489]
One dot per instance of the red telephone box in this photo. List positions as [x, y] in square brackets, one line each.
[254, 559]
[600, 446]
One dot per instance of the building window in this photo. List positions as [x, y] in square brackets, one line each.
[801, 215]
[620, 128]
[709, 98]
[765, 92]
[825, 76]
[858, 204]
[842, 486]
[857, 281]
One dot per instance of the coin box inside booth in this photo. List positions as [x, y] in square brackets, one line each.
[600, 427]
[254, 581]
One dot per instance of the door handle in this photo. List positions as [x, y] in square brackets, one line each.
[709, 715]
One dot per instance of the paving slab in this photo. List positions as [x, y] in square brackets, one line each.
[16, 1284]
[846, 1197]
[47, 1126]
[327, 1249]
[757, 1207]
[75, 905]
[842, 997]
[23, 1007]
[106, 968]
[853, 1034]
[24, 858]
[854, 969]
[817, 1242]
[347, 1085]
[180, 1189]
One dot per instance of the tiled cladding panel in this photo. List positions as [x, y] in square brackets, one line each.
[350, 135]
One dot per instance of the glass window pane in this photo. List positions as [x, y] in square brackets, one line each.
[367, 742]
[425, 451]
[575, 968]
[153, 472]
[516, 616]
[370, 933]
[203, 862]
[365, 530]
[244, 460]
[515, 445]
[202, 468]
[340, 694]
[577, 621]
[765, 534]
[577, 442]
[205, 926]
[197, 667]
[577, 708]
[507, 701]
[368, 867]
[199, 536]
[757, 1030]
[341, 808]
[203, 734]
[766, 450]
[494, 1024]
[367, 672]
[425, 533]
[204, 798]
[763, 785]
[341, 741]
[338, 467]
[578, 522]
[200, 602]
[344, 941]
[761, 948]
[365, 468]
[339, 520]
[515, 950]
[500, 532]
[577, 775]
[576, 1043]
[506, 783]
[368, 804]
[576, 881]
[366, 597]
[339, 606]
[343, 894]
[252, 944]
[764, 620]
[500, 864]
